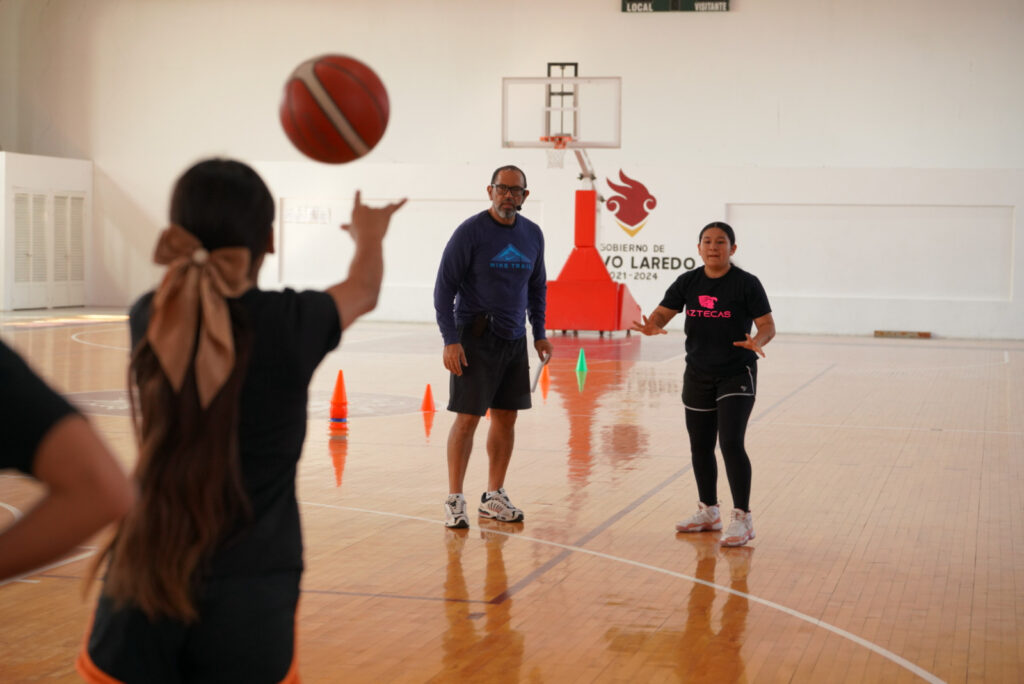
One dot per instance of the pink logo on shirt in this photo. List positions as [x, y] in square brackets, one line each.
[707, 301]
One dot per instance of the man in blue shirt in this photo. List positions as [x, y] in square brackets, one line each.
[491, 274]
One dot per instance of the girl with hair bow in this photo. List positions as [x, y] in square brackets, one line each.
[202, 577]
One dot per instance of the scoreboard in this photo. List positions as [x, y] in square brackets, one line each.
[675, 6]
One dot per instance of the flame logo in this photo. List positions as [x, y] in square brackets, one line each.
[632, 205]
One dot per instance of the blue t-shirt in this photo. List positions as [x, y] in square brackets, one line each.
[494, 269]
[719, 311]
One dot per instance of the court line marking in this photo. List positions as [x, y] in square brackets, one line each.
[16, 514]
[91, 551]
[537, 572]
[874, 648]
[786, 398]
[14, 511]
[76, 338]
[38, 571]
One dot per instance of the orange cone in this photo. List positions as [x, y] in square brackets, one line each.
[339, 401]
[338, 446]
[428, 423]
[339, 406]
[545, 382]
[428, 401]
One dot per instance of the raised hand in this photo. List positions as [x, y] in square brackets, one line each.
[358, 293]
[370, 222]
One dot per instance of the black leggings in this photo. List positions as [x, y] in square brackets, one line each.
[727, 425]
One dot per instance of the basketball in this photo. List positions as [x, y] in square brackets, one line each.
[334, 109]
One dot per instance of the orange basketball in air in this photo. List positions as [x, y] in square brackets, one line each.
[334, 109]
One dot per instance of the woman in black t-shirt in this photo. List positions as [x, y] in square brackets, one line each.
[721, 302]
[203, 577]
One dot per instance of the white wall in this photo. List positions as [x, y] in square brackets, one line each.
[8, 73]
[796, 104]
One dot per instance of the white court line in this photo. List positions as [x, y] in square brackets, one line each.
[76, 337]
[22, 578]
[14, 511]
[91, 551]
[875, 648]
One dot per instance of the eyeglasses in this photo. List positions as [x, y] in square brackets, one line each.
[514, 190]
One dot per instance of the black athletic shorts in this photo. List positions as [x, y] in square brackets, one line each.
[498, 375]
[245, 633]
[701, 391]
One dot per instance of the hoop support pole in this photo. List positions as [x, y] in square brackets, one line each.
[586, 169]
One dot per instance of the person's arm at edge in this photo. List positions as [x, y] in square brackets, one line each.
[87, 489]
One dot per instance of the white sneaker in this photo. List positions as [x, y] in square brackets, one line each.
[706, 519]
[741, 529]
[455, 511]
[496, 505]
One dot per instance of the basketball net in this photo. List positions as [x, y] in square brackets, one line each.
[556, 153]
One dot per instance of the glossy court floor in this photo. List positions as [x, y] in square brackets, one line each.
[888, 496]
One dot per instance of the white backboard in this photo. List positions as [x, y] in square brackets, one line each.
[588, 109]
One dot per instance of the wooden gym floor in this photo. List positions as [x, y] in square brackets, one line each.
[888, 502]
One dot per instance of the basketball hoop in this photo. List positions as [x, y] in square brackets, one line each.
[556, 153]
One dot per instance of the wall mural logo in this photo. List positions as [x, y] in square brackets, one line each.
[636, 259]
[632, 205]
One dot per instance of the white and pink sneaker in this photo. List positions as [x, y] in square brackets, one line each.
[741, 529]
[706, 519]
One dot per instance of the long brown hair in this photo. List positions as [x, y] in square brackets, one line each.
[191, 494]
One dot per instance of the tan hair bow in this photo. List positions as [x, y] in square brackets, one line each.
[196, 280]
